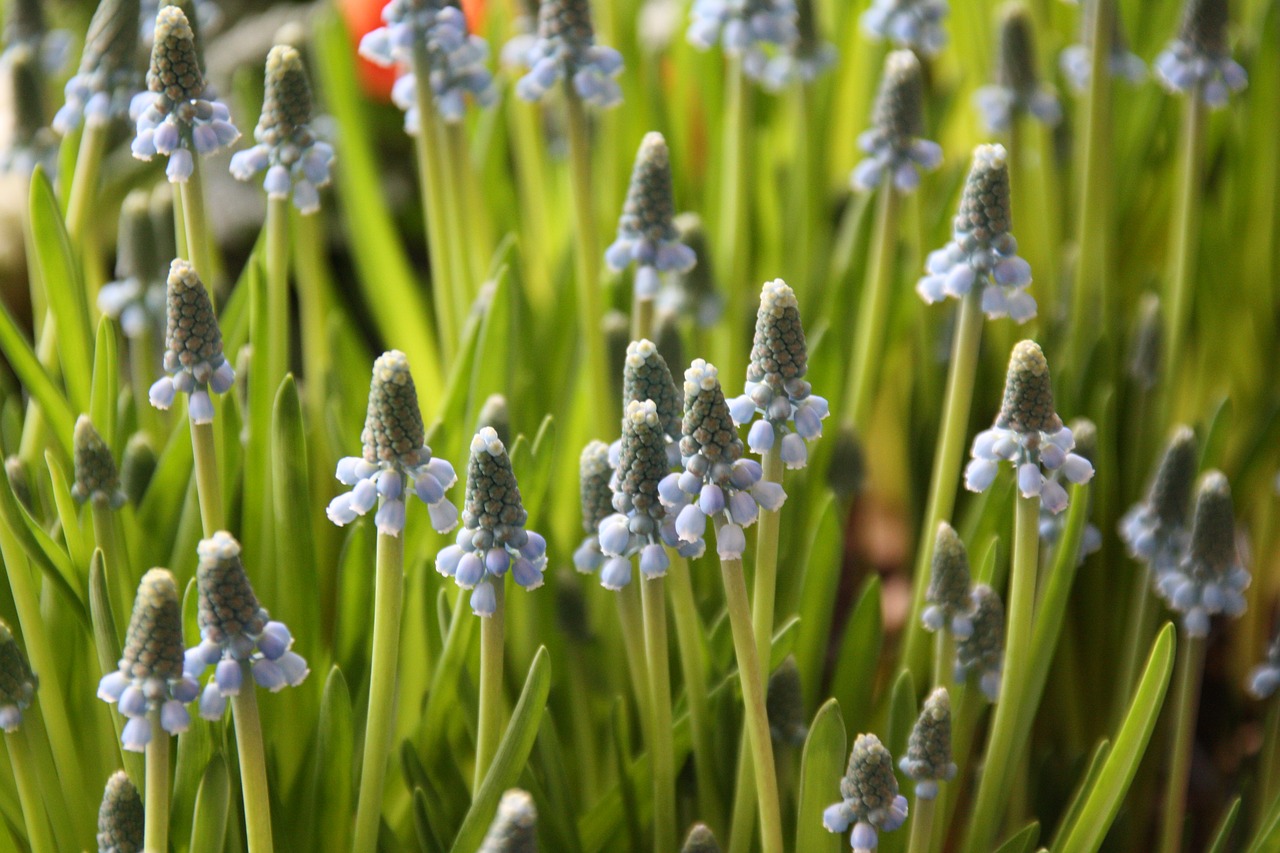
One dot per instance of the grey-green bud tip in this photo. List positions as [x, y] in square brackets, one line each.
[96, 476]
[1028, 392]
[393, 430]
[120, 817]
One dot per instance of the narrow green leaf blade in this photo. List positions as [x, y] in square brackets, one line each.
[859, 656]
[821, 766]
[213, 801]
[1022, 841]
[22, 359]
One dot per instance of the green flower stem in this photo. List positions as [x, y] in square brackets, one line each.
[642, 320]
[30, 796]
[208, 484]
[588, 256]
[253, 764]
[1135, 635]
[471, 224]
[84, 189]
[489, 727]
[388, 601]
[1001, 755]
[735, 205]
[528, 153]
[156, 803]
[944, 652]
[315, 300]
[757, 718]
[1186, 236]
[194, 225]
[806, 182]
[873, 313]
[661, 750]
[115, 562]
[631, 621]
[275, 348]
[922, 812]
[947, 457]
[684, 612]
[143, 366]
[453, 212]
[1186, 701]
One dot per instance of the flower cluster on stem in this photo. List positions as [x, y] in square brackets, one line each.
[983, 649]
[594, 473]
[193, 357]
[1156, 530]
[565, 49]
[647, 233]
[912, 24]
[928, 759]
[744, 28]
[1074, 61]
[137, 296]
[871, 803]
[101, 91]
[950, 606]
[1017, 89]
[894, 144]
[1199, 59]
[17, 682]
[120, 817]
[96, 477]
[803, 62]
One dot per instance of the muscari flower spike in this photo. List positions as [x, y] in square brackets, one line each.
[640, 523]
[1209, 579]
[784, 704]
[594, 472]
[208, 17]
[700, 840]
[1143, 362]
[108, 79]
[395, 456]
[1028, 433]
[646, 230]
[912, 24]
[928, 759]
[30, 144]
[1017, 88]
[1265, 677]
[1075, 60]
[716, 482]
[136, 297]
[18, 683]
[515, 826]
[436, 31]
[744, 28]
[804, 61]
[646, 376]
[948, 596]
[893, 144]
[296, 161]
[871, 803]
[692, 293]
[177, 116]
[493, 538]
[193, 355]
[121, 821]
[235, 629]
[1052, 525]
[565, 49]
[1157, 528]
[151, 677]
[96, 476]
[775, 386]
[982, 252]
[1199, 59]
[983, 649]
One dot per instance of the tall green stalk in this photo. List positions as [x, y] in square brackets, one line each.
[30, 796]
[275, 349]
[873, 314]
[489, 727]
[156, 805]
[735, 204]
[1186, 700]
[661, 749]
[194, 224]
[116, 564]
[631, 624]
[84, 188]
[253, 764]
[1186, 238]
[208, 483]
[922, 813]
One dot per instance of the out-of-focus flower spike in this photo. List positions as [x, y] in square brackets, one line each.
[895, 147]
[96, 476]
[1144, 348]
[1017, 89]
[108, 79]
[1075, 60]
[744, 28]
[928, 759]
[193, 357]
[784, 702]
[950, 606]
[25, 27]
[700, 840]
[138, 466]
[1265, 677]
[1199, 59]
[120, 817]
[136, 297]
[16, 471]
[496, 413]
[646, 230]
[515, 826]
[871, 803]
[693, 293]
[31, 143]
[565, 49]
[1156, 529]
[806, 59]
[597, 503]
[17, 682]
[912, 24]
[983, 650]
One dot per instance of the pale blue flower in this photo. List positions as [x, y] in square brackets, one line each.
[745, 29]
[1017, 88]
[1199, 59]
[193, 357]
[108, 79]
[565, 49]
[894, 143]
[913, 24]
[871, 803]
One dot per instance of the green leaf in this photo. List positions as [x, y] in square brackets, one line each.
[817, 605]
[513, 753]
[821, 766]
[68, 519]
[106, 641]
[783, 642]
[621, 738]
[427, 840]
[335, 764]
[298, 601]
[40, 547]
[1107, 792]
[441, 699]
[1223, 835]
[105, 393]
[492, 371]
[213, 801]
[22, 359]
[859, 657]
[902, 712]
[1022, 841]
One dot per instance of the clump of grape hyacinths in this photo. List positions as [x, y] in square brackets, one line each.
[803, 62]
[395, 460]
[744, 28]
[565, 49]
[928, 759]
[236, 630]
[775, 386]
[1028, 433]
[950, 606]
[594, 473]
[647, 233]
[1052, 525]
[120, 817]
[151, 677]
[982, 651]
[1199, 59]
[96, 477]
[1017, 89]
[1156, 529]
[430, 37]
[17, 682]
[176, 116]
[493, 538]
[894, 144]
[136, 297]
[912, 24]
[296, 161]
[716, 482]
[101, 91]
[982, 252]
[1265, 677]
[1075, 60]
[1209, 578]
[871, 803]
[193, 355]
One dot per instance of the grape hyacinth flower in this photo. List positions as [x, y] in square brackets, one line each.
[136, 297]
[983, 649]
[1156, 529]
[1075, 60]
[395, 457]
[1209, 579]
[1017, 89]
[1052, 525]
[804, 61]
[30, 144]
[208, 17]
[693, 293]
[493, 538]
[871, 803]
[18, 683]
[594, 473]
[646, 231]
[928, 759]
[151, 676]
[716, 482]
[784, 702]
[96, 476]
[177, 115]
[101, 91]
[1028, 433]
[1199, 59]
[775, 385]
[236, 630]
[120, 817]
[894, 143]
[193, 355]
[515, 825]
[912, 24]
[294, 159]
[982, 252]
[565, 49]
[646, 376]
[1265, 677]
[744, 29]
[950, 605]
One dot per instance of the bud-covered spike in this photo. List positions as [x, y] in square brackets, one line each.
[1170, 492]
[1213, 540]
[493, 497]
[1199, 60]
[1017, 66]
[565, 49]
[153, 644]
[642, 462]
[96, 477]
[899, 107]
[17, 683]
[928, 758]
[983, 649]
[138, 466]
[192, 334]
[227, 606]
[708, 428]
[871, 801]
[1204, 25]
[111, 42]
[646, 376]
[393, 429]
[594, 474]
[646, 229]
[700, 840]
[120, 817]
[515, 826]
[778, 353]
[286, 102]
[948, 591]
[1028, 392]
[784, 702]
[985, 209]
[175, 63]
